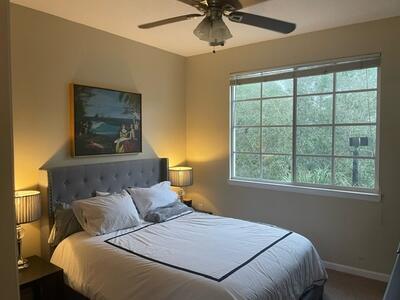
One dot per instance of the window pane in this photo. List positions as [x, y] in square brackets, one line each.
[342, 140]
[314, 110]
[277, 111]
[248, 91]
[315, 84]
[357, 79]
[277, 167]
[278, 88]
[356, 107]
[247, 165]
[314, 140]
[277, 140]
[355, 173]
[247, 139]
[316, 170]
[247, 113]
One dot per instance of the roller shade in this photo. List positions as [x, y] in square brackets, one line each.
[320, 68]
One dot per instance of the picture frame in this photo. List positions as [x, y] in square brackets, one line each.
[105, 121]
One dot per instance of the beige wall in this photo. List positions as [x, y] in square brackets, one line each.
[345, 231]
[8, 269]
[48, 53]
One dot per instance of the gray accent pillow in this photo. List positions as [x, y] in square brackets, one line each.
[65, 224]
[162, 214]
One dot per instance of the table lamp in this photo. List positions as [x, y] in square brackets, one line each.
[27, 210]
[181, 177]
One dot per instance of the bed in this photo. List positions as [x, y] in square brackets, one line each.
[190, 256]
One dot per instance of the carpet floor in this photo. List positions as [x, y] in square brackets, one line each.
[341, 286]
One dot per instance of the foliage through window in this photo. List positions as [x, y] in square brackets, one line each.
[307, 125]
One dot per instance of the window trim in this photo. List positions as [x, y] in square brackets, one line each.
[307, 188]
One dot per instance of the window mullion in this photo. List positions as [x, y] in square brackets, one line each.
[294, 129]
[333, 171]
[260, 129]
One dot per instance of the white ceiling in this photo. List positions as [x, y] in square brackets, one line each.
[121, 17]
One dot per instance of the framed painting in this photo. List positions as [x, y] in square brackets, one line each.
[105, 121]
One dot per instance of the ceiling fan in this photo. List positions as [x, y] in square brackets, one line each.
[212, 28]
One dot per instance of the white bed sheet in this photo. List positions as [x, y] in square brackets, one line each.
[99, 270]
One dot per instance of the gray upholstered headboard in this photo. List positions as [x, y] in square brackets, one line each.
[67, 184]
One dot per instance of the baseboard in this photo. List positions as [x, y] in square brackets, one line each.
[357, 271]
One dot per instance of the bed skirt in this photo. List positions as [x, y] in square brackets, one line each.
[315, 293]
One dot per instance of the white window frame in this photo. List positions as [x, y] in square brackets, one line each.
[307, 188]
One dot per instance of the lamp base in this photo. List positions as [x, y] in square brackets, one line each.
[22, 263]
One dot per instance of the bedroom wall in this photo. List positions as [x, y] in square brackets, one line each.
[345, 231]
[8, 270]
[49, 53]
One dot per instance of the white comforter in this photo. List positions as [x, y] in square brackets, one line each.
[195, 256]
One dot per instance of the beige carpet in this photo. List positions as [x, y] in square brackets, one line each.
[341, 286]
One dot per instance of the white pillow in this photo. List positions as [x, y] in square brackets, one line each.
[158, 195]
[98, 193]
[103, 214]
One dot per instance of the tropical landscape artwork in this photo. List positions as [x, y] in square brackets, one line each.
[106, 121]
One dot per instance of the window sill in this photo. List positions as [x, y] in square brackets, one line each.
[373, 197]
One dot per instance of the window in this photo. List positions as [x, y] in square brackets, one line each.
[308, 126]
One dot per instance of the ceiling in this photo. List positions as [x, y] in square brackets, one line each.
[121, 17]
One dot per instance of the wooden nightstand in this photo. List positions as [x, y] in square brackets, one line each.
[41, 280]
[187, 202]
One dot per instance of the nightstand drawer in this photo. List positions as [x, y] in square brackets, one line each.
[41, 281]
[26, 293]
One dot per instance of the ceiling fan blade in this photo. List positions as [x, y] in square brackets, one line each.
[246, 3]
[169, 21]
[262, 22]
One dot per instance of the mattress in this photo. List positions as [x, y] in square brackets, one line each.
[193, 256]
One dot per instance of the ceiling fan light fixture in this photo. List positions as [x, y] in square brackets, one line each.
[202, 31]
[213, 31]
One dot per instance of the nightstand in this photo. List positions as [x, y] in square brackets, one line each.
[187, 202]
[41, 280]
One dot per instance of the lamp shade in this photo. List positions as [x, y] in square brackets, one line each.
[213, 31]
[27, 206]
[181, 176]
